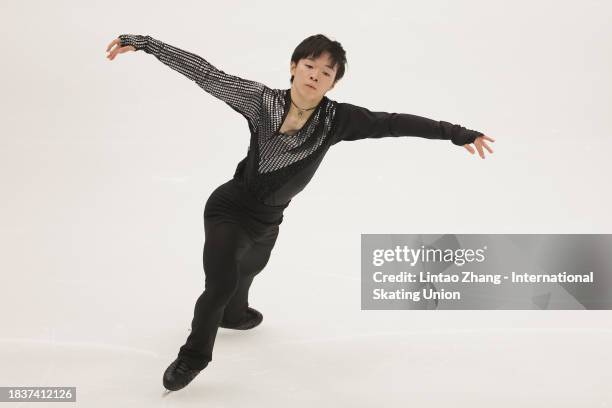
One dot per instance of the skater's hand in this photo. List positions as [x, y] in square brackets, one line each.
[479, 142]
[117, 49]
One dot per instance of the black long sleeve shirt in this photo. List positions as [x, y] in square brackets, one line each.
[278, 166]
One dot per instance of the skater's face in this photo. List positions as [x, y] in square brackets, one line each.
[314, 76]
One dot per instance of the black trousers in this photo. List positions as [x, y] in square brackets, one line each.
[240, 233]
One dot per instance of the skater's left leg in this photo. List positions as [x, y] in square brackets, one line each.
[250, 264]
[224, 245]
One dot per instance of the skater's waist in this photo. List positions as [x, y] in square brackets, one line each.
[233, 196]
[252, 201]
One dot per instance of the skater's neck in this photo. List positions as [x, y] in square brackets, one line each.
[304, 102]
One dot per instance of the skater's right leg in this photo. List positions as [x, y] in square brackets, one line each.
[225, 243]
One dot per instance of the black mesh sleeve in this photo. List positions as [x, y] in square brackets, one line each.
[242, 95]
[356, 123]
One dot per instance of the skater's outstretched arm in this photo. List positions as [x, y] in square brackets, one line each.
[244, 96]
[356, 123]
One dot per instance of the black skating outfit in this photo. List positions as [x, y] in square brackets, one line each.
[242, 216]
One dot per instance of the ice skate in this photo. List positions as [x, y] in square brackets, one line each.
[179, 374]
[251, 319]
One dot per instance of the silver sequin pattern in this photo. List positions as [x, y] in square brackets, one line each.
[277, 150]
[263, 107]
[242, 95]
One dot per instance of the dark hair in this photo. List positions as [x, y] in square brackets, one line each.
[314, 46]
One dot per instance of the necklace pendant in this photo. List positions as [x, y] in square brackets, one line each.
[300, 113]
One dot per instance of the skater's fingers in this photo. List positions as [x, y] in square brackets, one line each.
[469, 148]
[480, 143]
[126, 49]
[121, 50]
[488, 138]
[486, 146]
[112, 48]
[479, 148]
[115, 41]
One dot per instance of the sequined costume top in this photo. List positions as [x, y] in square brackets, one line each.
[278, 166]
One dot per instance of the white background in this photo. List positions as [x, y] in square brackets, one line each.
[105, 167]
